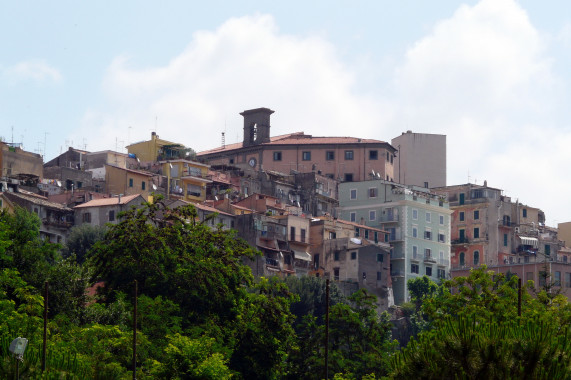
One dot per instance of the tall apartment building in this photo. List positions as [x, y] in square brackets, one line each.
[418, 223]
[489, 228]
[420, 160]
[342, 158]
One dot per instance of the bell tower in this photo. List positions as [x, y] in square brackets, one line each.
[256, 126]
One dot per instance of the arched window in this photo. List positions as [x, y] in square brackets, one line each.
[476, 258]
[462, 258]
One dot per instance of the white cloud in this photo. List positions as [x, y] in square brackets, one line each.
[245, 63]
[34, 70]
[482, 77]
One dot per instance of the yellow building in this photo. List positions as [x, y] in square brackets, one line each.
[186, 179]
[157, 149]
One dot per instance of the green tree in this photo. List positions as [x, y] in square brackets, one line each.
[81, 239]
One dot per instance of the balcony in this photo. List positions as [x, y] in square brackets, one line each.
[463, 240]
[57, 223]
[272, 262]
[428, 258]
[388, 218]
[397, 255]
[395, 236]
[397, 273]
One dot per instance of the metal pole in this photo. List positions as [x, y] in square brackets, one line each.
[519, 297]
[135, 335]
[45, 326]
[327, 329]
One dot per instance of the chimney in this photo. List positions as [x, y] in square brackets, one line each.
[120, 196]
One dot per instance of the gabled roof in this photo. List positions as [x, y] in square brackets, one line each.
[33, 198]
[131, 170]
[109, 201]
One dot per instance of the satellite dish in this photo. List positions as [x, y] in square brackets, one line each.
[154, 186]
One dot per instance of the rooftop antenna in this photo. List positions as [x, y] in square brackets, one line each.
[84, 144]
[12, 134]
[129, 135]
[45, 139]
[223, 140]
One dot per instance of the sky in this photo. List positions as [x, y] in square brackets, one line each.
[491, 75]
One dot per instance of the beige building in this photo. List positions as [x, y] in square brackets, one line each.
[127, 182]
[564, 232]
[99, 212]
[421, 159]
[343, 158]
[16, 162]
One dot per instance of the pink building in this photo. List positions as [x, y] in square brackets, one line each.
[343, 158]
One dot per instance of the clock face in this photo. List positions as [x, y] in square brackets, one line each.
[252, 162]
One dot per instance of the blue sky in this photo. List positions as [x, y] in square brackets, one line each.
[492, 75]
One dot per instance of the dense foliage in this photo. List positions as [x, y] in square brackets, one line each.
[202, 315]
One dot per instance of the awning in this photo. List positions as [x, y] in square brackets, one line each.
[529, 241]
[301, 255]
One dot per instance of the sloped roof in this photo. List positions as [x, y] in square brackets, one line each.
[298, 138]
[35, 199]
[109, 201]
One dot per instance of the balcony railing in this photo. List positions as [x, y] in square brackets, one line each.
[397, 273]
[272, 262]
[429, 258]
[389, 218]
[463, 240]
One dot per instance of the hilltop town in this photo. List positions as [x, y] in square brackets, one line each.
[363, 213]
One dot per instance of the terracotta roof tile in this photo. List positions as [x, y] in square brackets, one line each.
[109, 201]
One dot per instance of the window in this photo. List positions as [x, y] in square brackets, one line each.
[329, 155]
[462, 235]
[366, 234]
[476, 232]
[292, 233]
[414, 214]
[303, 235]
[462, 196]
[348, 177]
[441, 273]
[193, 190]
[428, 235]
[379, 276]
[372, 192]
[568, 280]
[505, 240]
[336, 274]
[336, 256]
[379, 257]
[79, 184]
[348, 154]
[427, 253]
[414, 268]
[357, 229]
[429, 271]
[428, 217]
[414, 232]
[353, 217]
[87, 217]
[557, 280]
[111, 215]
[524, 212]
[476, 258]
[231, 161]
[441, 238]
[461, 216]
[414, 252]
[441, 219]
[372, 215]
[353, 255]
[306, 156]
[373, 155]
[547, 250]
[332, 235]
[426, 185]
[277, 156]
[392, 157]
[130, 182]
[476, 214]
[376, 237]
[143, 185]
[462, 259]
[353, 193]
